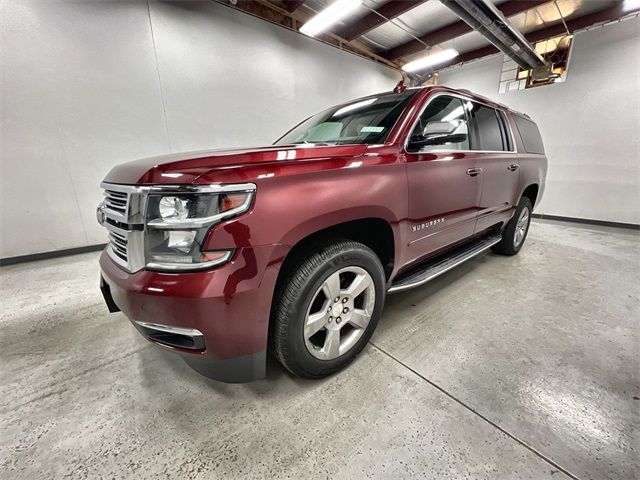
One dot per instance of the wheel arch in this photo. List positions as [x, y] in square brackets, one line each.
[531, 192]
[376, 233]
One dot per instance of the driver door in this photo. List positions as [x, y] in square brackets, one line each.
[443, 180]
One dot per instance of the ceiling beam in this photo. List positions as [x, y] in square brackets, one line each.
[292, 5]
[603, 16]
[456, 29]
[389, 10]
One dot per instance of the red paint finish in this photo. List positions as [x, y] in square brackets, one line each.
[427, 199]
[227, 304]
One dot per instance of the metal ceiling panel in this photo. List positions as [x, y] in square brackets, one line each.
[432, 15]
[468, 41]
[464, 43]
[548, 14]
[427, 16]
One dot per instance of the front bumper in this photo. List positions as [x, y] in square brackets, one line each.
[228, 306]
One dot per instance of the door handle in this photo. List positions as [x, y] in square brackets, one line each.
[474, 171]
[513, 167]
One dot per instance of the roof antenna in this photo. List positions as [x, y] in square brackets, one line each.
[416, 80]
[400, 87]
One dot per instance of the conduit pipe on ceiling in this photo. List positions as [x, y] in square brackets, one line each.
[491, 24]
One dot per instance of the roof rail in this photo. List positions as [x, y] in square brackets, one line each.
[469, 92]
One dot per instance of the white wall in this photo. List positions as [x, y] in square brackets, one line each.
[590, 124]
[91, 84]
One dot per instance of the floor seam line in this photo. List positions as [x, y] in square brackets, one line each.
[481, 416]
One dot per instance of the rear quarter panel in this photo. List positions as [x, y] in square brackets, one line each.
[533, 167]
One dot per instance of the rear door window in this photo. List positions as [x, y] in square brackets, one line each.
[489, 131]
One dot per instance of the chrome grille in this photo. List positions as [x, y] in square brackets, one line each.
[123, 210]
[118, 242]
[116, 202]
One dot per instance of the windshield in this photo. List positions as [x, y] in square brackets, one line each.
[361, 121]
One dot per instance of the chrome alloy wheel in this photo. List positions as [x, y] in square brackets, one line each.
[521, 227]
[339, 313]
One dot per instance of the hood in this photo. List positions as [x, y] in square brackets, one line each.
[185, 168]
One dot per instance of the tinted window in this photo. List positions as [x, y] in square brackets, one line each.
[366, 120]
[530, 135]
[444, 124]
[489, 131]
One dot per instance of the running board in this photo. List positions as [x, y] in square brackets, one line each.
[436, 269]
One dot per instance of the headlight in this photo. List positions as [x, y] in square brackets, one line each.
[173, 207]
[177, 224]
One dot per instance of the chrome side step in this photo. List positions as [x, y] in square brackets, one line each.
[436, 269]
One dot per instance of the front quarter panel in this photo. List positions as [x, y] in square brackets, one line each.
[293, 201]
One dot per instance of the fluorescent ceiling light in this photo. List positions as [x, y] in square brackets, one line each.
[330, 15]
[431, 60]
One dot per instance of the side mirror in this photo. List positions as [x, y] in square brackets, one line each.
[440, 133]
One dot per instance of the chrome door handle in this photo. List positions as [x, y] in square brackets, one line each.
[513, 167]
[474, 171]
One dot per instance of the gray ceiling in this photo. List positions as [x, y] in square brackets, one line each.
[432, 15]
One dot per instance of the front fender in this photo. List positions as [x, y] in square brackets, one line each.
[289, 208]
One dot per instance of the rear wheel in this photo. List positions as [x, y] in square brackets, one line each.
[515, 233]
[328, 309]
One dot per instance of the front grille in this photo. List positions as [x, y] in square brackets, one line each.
[118, 242]
[116, 201]
[123, 219]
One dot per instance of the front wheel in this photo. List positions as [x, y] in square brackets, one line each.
[328, 309]
[515, 233]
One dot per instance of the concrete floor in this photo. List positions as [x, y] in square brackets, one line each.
[522, 367]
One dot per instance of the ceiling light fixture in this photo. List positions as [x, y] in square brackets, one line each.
[431, 60]
[330, 15]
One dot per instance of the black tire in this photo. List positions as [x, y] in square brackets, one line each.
[304, 280]
[508, 245]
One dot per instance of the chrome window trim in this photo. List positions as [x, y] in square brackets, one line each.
[461, 97]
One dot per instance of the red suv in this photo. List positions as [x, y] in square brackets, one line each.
[217, 255]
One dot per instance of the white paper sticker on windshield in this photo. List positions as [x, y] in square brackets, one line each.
[371, 129]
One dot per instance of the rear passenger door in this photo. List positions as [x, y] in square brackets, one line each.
[498, 162]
